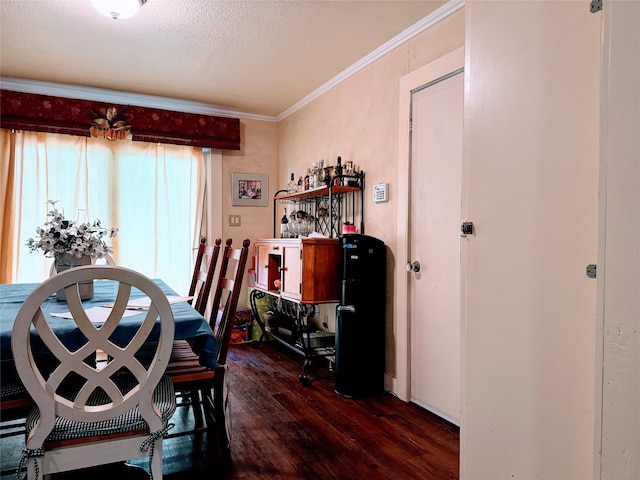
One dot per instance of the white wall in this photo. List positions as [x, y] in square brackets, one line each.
[531, 148]
[618, 340]
[358, 119]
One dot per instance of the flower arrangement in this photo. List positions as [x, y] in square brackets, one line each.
[60, 236]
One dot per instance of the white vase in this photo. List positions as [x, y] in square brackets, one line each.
[65, 261]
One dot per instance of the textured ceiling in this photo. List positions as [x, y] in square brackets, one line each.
[254, 56]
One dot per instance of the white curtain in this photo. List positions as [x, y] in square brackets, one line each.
[152, 193]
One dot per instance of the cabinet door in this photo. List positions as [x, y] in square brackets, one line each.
[291, 272]
[262, 266]
[320, 270]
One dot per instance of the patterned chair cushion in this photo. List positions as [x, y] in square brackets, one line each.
[65, 429]
[9, 390]
[10, 384]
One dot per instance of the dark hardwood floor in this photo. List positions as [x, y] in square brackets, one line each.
[284, 430]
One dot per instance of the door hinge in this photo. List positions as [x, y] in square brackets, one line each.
[596, 6]
[592, 270]
[410, 126]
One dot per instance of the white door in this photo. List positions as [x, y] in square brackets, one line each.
[434, 291]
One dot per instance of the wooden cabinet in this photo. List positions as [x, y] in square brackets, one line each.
[293, 275]
[304, 270]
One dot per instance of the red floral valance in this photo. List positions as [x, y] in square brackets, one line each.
[43, 113]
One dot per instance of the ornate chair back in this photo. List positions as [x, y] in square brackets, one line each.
[76, 389]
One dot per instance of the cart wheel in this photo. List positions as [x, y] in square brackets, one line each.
[304, 380]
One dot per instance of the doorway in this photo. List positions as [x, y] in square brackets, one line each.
[440, 68]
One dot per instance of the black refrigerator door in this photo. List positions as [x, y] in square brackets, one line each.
[359, 355]
[360, 318]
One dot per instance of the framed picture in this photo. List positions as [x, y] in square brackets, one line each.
[250, 189]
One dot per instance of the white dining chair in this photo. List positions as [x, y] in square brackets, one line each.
[85, 415]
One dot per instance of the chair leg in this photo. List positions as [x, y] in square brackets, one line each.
[219, 403]
[197, 406]
[208, 408]
[213, 407]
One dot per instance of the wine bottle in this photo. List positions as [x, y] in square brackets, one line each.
[284, 225]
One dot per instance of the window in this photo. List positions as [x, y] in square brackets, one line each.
[150, 192]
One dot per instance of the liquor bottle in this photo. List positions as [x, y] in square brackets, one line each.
[338, 171]
[292, 187]
[306, 179]
[300, 184]
[328, 172]
[284, 225]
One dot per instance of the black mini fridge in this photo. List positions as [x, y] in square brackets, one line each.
[360, 317]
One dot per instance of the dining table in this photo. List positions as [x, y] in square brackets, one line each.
[190, 325]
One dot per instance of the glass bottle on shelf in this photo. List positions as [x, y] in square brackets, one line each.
[300, 184]
[320, 174]
[284, 225]
[306, 179]
[338, 171]
[348, 167]
[313, 176]
[292, 186]
[328, 174]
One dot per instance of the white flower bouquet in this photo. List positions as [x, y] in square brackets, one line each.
[62, 236]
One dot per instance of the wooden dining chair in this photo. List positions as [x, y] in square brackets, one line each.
[86, 415]
[184, 368]
[201, 283]
[204, 268]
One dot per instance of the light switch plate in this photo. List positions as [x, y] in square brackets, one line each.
[380, 192]
[234, 220]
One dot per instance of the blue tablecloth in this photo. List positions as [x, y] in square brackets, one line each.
[190, 325]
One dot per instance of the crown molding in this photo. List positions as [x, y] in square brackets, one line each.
[125, 98]
[434, 17]
[165, 103]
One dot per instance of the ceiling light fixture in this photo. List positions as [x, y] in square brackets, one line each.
[118, 8]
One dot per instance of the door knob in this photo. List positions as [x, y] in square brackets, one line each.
[413, 267]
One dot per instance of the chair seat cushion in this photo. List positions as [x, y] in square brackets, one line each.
[184, 361]
[65, 429]
[11, 386]
[12, 389]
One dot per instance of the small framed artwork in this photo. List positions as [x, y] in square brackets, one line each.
[250, 189]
